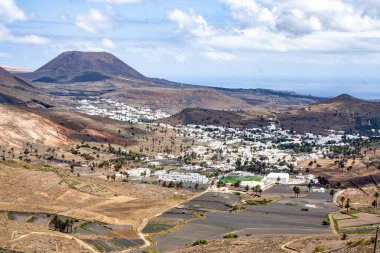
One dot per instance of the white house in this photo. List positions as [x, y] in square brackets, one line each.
[272, 178]
[138, 172]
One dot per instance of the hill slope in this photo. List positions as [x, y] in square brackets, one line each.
[14, 90]
[199, 116]
[344, 113]
[76, 66]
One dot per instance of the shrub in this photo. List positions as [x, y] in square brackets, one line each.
[199, 242]
[228, 236]
[343, 236]
[326, 222]
[320, 249]
[256, 202]
[305, 209]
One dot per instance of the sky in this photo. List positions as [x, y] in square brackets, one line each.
[317, 47]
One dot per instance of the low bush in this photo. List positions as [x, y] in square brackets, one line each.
[256, 202]
[326, 222]
[232, 235]
[199, 242]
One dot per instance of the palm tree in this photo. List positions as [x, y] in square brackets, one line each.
[258, 189]
[332, 192]
[342, 199]
[196, 186]
[376, 196]
[296, 191]
[309, 186]
[347, 205]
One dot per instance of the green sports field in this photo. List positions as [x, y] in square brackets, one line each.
[234, 179]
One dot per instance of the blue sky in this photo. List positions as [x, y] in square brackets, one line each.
[323, 47]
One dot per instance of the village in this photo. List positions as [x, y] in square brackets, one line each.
[245, 158]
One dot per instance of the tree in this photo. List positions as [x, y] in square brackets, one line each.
[342, 199]
[278, 180]
[54, 221]
[237, 184]
[309, 186]
[246, 188]
[376, 196]
[332, 192]
[347, 205]
[297, 191]
[196, 186]
[258, 189]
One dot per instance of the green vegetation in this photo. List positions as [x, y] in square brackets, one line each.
[234, 179]
[235, 208]
[199, 242]
[152, 251]
[256, 202]
[229, 236]
[356, 243]
[320, 249]
[305, 209]
[8, 216]
[30, 219]
[326, 222]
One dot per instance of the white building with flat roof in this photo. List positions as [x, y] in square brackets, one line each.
[274, 178]
[182, 177]
[138, 172]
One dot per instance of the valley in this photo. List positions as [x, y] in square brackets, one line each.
[96, 157]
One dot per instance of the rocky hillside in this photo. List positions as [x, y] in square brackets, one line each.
[14, 90]
[235, 119]
[344, 113]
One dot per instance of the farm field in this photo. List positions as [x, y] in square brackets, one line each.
[278, 218]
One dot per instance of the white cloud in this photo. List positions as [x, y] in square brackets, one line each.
[10, 12]
[93, 21]
[190, 22]
[116, 1]
[7, 36]
[285, 25]
[107, 43]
